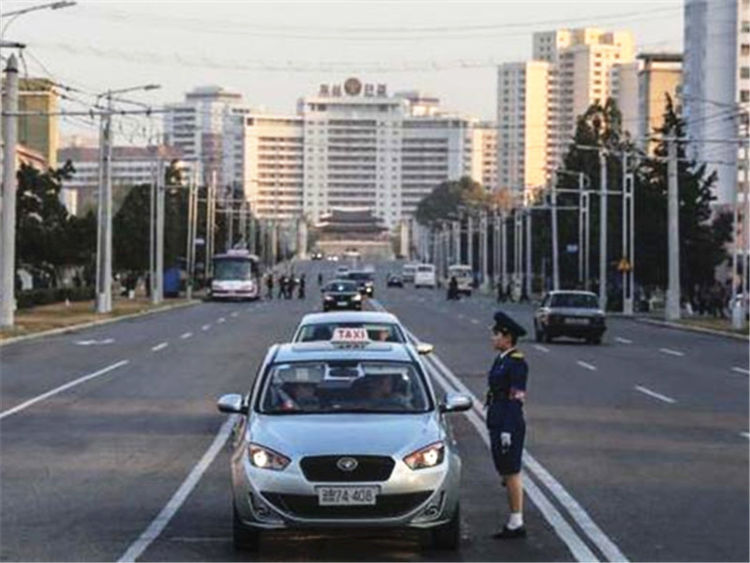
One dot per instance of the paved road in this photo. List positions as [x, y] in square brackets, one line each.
[100, 429]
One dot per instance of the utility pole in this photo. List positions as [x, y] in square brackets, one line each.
[470, 242]
[496, 252]
[583, 218]
[529, 268]
[457, 241]
[504, 250]
[152, 227]
[210, 224]
[484, 247]
[603, 230]
[157, 296]
[518, 246]
[104, 226]
[628, 249]
[8, 248]
[555, 242]
[190, 250]
[673, 235]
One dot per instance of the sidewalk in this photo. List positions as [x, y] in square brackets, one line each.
[58, 317]
[721, 327]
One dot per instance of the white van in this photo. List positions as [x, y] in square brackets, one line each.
[408, 271]
[464, 277]
[425, 276]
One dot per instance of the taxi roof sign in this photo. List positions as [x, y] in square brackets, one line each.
[350, 337]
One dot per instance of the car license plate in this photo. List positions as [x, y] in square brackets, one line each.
[570, 321]
[342, 303]
[347, 496]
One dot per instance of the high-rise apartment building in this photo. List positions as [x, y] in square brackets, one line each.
[39, 132]
[354, 146]
[716, 90]
[524, 135]
[583, 59]
[196, 127]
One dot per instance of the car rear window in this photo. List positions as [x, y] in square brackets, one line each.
[377, 332]
[575, 300]
[341, 286]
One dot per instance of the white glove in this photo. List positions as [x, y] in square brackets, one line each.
[504, 442]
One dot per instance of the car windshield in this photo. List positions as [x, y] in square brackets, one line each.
[428, 269]
[341, 286]
[233, 269]
[574, 300]
[360, 276]
[346, 386]
[460, 272]
[383, 332]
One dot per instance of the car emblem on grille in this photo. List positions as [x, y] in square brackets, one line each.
[347, 464]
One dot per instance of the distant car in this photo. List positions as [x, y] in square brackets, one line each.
[425, 276]
[342, 272]
[344, 434]
[394, 280]
[464, 277]
[317, 255]
[332, 258]
[341, 294]
[569, 313]
[408, 271]
[364, 280]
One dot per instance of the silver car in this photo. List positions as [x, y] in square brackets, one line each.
[346, 433]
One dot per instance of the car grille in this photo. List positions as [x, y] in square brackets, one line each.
[387, 506]
[369, 468]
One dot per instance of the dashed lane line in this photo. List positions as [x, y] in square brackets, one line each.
[622, 340]
[745, 434]
[655, 395]
[474, 321]
[157, 526]
[741, 370]
[671, 352]
[221, 320]
[233, 314]
[186, 335]
[586, 365]
[206, 327]
[159, 346]
[541, 348]
[61, 388]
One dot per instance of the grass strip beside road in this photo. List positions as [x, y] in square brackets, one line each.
[59, 315]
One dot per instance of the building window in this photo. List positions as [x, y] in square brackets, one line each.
[746, 26]
[745, 49]
[745, 72]
[745, 95]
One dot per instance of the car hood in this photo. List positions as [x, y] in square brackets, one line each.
[576, 311]
[373, 434]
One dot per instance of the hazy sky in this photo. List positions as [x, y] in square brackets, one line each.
[275, 52]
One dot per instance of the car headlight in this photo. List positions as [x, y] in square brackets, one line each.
[357, 297]
[429, 456]
[264, 458]
[328, 298]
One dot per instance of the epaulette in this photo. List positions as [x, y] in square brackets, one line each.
[517, 355]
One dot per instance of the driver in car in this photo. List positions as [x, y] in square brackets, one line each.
[300, 396]
[381, 394]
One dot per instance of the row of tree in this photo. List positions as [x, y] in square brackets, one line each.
[703, 233]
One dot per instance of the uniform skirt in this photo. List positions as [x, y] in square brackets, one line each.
[508, 463]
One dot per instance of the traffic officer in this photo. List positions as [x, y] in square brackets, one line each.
[505, 422]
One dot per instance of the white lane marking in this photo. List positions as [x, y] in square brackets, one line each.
[577, 512]
[474, 321]
[655, 395]
[741, 370]
[461, 316]
[586, 365]
[159, 346]
[233, 314]
[541, 348]
[671, 352]
[622, 340]
[220, 320]
[62, 388]
[745, 434]
[206, 327]
[94, 342]
[186, 335]
[157, 526]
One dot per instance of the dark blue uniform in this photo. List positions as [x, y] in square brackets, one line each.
[507, 391]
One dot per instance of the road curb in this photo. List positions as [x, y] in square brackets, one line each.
[678, 326]
[74, 328]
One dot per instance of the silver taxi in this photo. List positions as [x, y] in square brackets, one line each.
[344, 433]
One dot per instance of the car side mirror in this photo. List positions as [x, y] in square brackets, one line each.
[423, 349]
[231, 404]
[455, 402]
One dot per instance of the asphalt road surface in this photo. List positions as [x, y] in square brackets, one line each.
[111, 447]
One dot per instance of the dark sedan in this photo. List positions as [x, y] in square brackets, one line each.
[569, 313]
[341, 294]
[394, 280]
[364, 281]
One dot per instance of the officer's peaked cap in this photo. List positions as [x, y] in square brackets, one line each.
[504, 322]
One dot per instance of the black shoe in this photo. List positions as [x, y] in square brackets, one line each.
[508, 534]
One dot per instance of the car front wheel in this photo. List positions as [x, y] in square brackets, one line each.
[448, 536]
[244, 538]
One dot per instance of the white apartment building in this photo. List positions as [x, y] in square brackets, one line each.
[354, 146]
[196, 127]
[525, 138]
[583, 60]
[131, 166]
[716, 91]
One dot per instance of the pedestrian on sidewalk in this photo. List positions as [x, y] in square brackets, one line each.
[269, 285]
[505, 421]
[301, 290]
